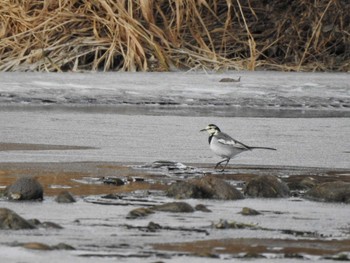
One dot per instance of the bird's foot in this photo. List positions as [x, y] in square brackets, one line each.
[222, 166]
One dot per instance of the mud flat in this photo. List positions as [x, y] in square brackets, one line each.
[99, 228]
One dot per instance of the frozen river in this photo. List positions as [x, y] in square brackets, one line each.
[259, 94]
[138, 118]
[315, 142]
[143, 117]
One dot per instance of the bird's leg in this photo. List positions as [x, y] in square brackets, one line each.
[228, 159]
[219, 163]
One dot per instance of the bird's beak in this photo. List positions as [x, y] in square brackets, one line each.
[203, 130]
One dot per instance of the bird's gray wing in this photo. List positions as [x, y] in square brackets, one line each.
[225, 139]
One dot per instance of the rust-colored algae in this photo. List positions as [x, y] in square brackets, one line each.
[70, 176]
[254, 246]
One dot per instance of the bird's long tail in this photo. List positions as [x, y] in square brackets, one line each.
[264, 148]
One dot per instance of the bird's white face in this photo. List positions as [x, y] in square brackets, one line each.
[211, 129]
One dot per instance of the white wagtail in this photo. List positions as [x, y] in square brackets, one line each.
[225, 146]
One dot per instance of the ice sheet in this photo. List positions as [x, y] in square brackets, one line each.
[316, 93]
[319, 142]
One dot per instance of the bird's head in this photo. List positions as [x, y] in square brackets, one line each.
[212, 129]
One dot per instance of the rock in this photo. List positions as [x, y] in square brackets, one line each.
[266, 186]
[153, 227]
[139, 212]
[175, 207]
[170, 165]
[25, 188]
[230, 80]
[184, 190]
[11, 220]
[220, 189]
[112, 196]
[50, 225]
[63, 246]
[37, 223]
[308, 183]
[303, 184]
[330, 192]
[41, 246]
[65, 197]
[34, 222]
[246, 211]
[114, 181]
[224, 224]
[37, 246]
[202, 208]
[207, 187]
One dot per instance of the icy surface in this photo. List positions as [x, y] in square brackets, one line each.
[106, 234]
[126, 116]
[257, 94]
[320, 142]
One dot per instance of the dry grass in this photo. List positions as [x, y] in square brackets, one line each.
[158, 35]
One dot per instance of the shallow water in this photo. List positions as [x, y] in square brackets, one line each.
[308, 142]
[107, 235]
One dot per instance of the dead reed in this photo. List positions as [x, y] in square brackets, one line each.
[160, 35]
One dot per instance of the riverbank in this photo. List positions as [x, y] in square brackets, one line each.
[170, 35]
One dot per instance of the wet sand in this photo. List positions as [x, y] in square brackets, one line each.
[254, 247]
[38, 147]
[55, 176]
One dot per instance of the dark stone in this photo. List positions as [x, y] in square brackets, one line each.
[63, 246]
[25, 188]
[112, 196]
[202, 208]
[65, 197]
[34, 222]
[267, 186]
[184, 190]
[224, 224]
[246, 211]
[330, 192]
[139, 212]
[308, 183]
[11, 220]
[230, 80]
[114, 181]
[207, 187]
[37, 223]
[304, 184]
[220, 189]
[175, 207]
[50, 225]
[153, 227]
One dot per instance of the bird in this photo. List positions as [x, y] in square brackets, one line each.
[225, 146]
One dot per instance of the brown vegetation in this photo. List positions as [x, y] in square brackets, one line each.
[141, 35]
